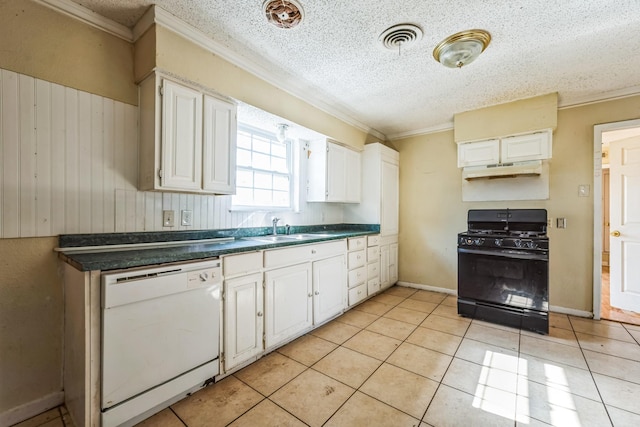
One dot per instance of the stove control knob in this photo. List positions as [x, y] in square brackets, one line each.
[498, 242]
[479, 242]
[517, 243]
[532, 245]
[469, 241]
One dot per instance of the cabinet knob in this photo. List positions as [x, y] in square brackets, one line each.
[358, 256]
[310, 295]
[317, 293]
[359, 292]
[259, 314]
[313, 251]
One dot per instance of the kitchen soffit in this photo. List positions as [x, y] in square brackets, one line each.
[585, 50]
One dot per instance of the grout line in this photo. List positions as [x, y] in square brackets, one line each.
[177, 416]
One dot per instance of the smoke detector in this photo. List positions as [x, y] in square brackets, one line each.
[283, 14]
[400, 36]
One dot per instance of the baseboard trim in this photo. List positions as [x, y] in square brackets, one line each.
[427, 288]
[553, 308]
[31, 409]
[570, 311]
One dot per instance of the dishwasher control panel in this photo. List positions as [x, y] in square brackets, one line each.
[208, 276]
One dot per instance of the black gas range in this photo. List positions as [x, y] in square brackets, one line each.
[503, 268]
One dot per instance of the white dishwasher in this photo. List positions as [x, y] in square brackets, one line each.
[160, 337]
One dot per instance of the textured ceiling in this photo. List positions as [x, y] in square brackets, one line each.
[582, 49]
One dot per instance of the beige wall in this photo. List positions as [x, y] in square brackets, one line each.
[183, 58]
[428, 225]
[30, 321]
[39, 42]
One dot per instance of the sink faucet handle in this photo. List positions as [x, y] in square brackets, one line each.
[275, 220]
[287, 229]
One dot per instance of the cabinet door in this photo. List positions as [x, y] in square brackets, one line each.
[329, 288]
[181, 137]
[288, 302]
[479, 153]
[353, 175]
[219, 146]
[384, 265]
[243, 319]
[536, 146]
[389, 198]
[336, 173]
[393, 263]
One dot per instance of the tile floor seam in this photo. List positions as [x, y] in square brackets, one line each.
[284, 409]
[595, 383]
[178, 416]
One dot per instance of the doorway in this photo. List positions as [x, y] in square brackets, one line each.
[604, 135]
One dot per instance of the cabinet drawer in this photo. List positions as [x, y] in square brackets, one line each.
[373, 254]
[373, 240]
[356, 259]
[357, 294]
[373, 286]
[373, 270]
[234, 265]
[357, 276]
[303, 253]
[357, 243]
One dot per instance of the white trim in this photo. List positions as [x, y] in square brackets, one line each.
[597, 205]
[425, 131]
[427, 287]
[81, 13]
[31, 409]
[570, 311]
[294, 86]
[601, 97]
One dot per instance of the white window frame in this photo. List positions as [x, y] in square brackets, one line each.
[290, 166]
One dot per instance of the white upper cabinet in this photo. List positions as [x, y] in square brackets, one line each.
[479, 153]
[334, 173]
[509, 149]
[187, 139]
[535, 146]
[380, 194]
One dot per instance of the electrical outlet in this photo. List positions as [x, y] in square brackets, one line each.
[168, 218]
[561, 222]
[186, 218]
[583, 190]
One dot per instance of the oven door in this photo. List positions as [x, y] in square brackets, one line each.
[515, 278]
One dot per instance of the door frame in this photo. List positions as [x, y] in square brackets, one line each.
[597, 206]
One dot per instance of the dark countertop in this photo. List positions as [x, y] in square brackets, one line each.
[113, 259]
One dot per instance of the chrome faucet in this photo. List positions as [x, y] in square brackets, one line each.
[274, 221]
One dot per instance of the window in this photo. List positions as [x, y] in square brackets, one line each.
[264, 170]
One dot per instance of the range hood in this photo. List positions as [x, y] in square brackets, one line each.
[506, 170]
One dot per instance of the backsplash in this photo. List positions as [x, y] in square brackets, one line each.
[69, 165]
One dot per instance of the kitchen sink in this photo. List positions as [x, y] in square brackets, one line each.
[290, 237]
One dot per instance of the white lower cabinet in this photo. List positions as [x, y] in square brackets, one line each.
[288, 302]
[388, 261]
[243, 319]
[328, 288]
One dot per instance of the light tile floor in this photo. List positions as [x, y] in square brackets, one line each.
[405, 358]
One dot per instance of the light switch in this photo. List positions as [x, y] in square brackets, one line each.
[583, 190]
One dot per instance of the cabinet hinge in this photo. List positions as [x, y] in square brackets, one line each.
[264, 341]
[222, 358]
[327, 148]
[160, 90]
[159, 173]
[326, 194]
[264, 284]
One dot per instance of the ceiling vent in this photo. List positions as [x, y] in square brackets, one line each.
[400, 36]
[283, 14]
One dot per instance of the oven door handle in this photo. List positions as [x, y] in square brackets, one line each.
[519, 255]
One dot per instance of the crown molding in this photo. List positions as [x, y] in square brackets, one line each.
[424, 131]
[89, 17]
[600, 97]
[294, 87]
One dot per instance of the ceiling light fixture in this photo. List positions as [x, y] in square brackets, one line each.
[282, 132]
[283, 14]
[461, 48]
